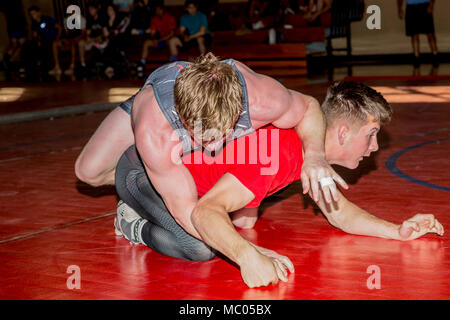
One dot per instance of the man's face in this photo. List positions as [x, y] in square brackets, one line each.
[191, 9]
[358, 142]
[35, 15]
[110, 11]
[159, 11]
[92, 11]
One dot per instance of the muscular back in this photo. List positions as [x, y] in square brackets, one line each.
[160, 147]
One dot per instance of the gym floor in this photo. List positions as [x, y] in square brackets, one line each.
[50, 221]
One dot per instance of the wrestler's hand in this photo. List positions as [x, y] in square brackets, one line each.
[282, 261]
[258, 270]
[420, 225]
[314, 168]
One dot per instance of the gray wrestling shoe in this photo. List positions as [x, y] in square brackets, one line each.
[128, 223]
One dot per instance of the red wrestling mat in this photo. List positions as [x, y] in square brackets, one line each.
[49, 221]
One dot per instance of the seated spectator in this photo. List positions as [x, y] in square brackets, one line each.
[239, 22]
[287, 7]
[96, 32]
[70, 39]
[291, 6]
[117, 26]
[123, 5]
[162, 29]
[46, 32]
[16, 27]
[112, 57]
[315, 9]
[313, 13]
[193, 30]
[141, 16]
[257, 11]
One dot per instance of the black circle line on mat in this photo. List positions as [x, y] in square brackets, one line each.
[391, 165]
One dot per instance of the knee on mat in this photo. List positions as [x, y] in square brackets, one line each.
[88, 173]
[200, 252]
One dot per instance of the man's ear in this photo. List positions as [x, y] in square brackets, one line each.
[343, 132]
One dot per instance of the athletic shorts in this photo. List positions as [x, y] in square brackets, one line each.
[161, 45]
[193, 42]
[418, 20]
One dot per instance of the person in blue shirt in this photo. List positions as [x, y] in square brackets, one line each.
[46, 31]
[193, 31]
[419, 19]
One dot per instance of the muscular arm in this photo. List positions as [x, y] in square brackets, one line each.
[200, 33]
[210, 217]
[303, 113]
[271, 102]
[160, 153]
[311, 127]
[172, 181]
[259, 266]
[348, 217]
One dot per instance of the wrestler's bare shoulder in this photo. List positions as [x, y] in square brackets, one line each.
[266, 96]
[147, 117]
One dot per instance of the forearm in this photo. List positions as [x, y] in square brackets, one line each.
[215, 228]
[355, 220]
[200, 33]
[170, 35]
[311, 129]
[181, 209]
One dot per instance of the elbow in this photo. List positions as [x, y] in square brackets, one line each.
[204, 211]
[198, 215]
[337, 218]
[341, 226]
[341, 222]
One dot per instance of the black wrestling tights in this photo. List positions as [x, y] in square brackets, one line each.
[161, 233]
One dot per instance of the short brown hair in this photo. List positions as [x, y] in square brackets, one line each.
[209, 91]
[354, 101]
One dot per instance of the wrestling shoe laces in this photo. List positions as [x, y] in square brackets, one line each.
[128, 223]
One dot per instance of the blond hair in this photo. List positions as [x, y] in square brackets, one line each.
[209, 91]
[354, 101]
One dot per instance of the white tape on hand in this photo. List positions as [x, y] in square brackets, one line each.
[326, 181]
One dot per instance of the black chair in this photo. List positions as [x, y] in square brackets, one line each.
[343, 13]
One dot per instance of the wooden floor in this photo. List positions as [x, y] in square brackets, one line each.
[50, 221]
